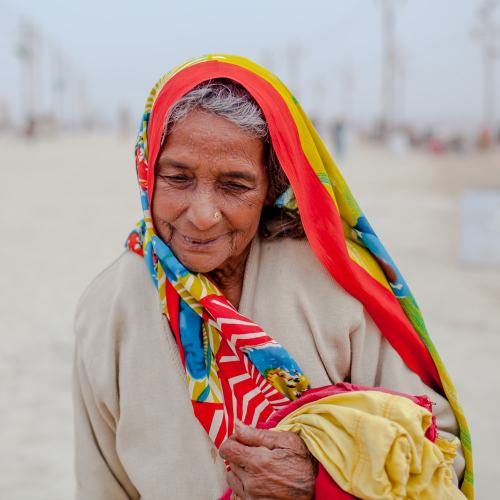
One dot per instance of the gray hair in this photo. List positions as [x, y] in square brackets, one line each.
[230, 100]
[223, 98]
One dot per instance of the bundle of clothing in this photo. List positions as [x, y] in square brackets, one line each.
[371, 443]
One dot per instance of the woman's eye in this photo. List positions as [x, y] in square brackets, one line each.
[233, 186]
[175, 179]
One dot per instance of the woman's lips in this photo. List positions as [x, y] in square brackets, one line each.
[200, 243]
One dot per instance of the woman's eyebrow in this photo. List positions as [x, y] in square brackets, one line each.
[166, 161]
[236, 174]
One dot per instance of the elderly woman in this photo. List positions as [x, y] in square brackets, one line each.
[252, 281]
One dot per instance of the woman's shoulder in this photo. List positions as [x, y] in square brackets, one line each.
[115, 296]
[293, 261]
[295, 252]
[296, 259]
[124, 275]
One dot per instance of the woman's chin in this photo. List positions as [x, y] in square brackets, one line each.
[199, 263]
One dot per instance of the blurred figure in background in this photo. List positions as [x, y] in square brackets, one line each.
[5, 117]
[339, 138]
[484, 139]
[126, 128]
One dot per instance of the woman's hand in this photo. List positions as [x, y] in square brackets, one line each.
[268, 464]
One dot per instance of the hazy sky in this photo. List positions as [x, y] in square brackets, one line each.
[121, 47]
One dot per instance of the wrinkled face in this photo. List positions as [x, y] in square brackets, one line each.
[210, 187]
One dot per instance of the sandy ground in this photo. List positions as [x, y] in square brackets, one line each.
[67, 206]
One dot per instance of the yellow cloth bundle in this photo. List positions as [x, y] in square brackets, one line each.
[373, 445]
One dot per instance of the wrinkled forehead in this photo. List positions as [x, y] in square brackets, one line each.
[224, 98]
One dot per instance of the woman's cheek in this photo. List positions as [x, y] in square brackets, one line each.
[249, 203]
[244, 214]
[168, 204]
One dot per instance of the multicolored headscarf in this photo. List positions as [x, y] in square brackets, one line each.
[233, 368]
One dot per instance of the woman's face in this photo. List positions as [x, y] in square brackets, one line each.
[210, 188]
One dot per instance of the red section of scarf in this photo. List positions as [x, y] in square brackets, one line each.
[173, 300]
[318, 212]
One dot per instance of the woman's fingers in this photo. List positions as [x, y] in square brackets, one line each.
[257, 472]
[256, 437]
[268, 464]
[236, 485]
[269, 439]
[244, 456]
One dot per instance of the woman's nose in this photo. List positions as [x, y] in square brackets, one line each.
[203, 212]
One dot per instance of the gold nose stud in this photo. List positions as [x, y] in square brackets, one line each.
[217, 215]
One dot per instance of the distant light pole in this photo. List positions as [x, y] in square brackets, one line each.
[294, 53]
[27, 53]
[391, 59]
[346, 78]
[39, 57]
[488, 35]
